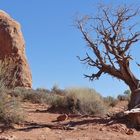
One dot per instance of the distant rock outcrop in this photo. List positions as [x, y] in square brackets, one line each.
[14, 69]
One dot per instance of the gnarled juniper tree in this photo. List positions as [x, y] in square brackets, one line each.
[110, 35]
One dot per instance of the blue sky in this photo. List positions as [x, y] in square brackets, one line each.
[52, 42]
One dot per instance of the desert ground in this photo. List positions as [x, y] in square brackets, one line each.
[41, 124]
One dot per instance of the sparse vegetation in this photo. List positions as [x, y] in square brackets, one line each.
[81, 100]
[110, 101]
[125, 96]
[57, 90]
[55, 100]
[10, 109]
[74, 100]
[85, 101]
[34, 96]
[70, 100]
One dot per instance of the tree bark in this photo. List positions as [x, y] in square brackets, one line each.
[135, 99]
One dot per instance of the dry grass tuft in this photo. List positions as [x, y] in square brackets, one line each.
[10, 109]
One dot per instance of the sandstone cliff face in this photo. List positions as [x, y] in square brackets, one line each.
[14, 69]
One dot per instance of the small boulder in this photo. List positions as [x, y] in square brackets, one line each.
[62, 117]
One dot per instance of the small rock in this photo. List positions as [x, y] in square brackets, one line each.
[130, 132]
[101, 129]
[46, 129]
[82, 128]
[62, 117]
[8, 138]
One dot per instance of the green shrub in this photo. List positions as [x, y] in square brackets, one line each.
[10, 110]
[127, 92]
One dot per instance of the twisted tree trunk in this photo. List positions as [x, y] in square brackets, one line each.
[135, 99]
[134, 85]
[114, 36]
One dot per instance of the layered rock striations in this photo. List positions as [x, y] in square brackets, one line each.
[14, 69]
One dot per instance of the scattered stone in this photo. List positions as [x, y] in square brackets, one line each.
[71, 128]
[101, 129]
[46, 130]
[62, 117]
[8, 138]
[14, 69]
[130, 132]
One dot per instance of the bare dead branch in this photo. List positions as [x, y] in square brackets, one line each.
[94, 76]
[111, 44]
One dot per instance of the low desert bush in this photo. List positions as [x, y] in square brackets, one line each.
[34, 96]
[43, 90]
[125, 96]
[110, 101]
[57, 90]
[10, 109]
[80, 100]
[75, 100]
[55, 100]
[85, 101]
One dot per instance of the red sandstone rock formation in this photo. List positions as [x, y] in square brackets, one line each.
[14, 69]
